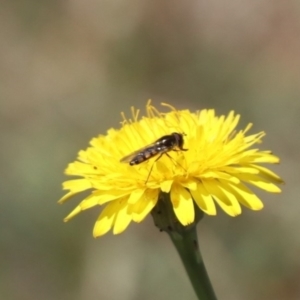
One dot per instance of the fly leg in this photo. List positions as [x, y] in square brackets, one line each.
[153, 166]
[177, 163]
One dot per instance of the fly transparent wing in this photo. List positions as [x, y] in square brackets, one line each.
[128, 158]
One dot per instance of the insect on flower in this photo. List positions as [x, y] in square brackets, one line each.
[221, 162]
[171, 142]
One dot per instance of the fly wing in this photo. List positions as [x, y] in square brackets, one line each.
[128, 158]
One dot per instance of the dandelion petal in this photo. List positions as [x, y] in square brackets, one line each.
[75, 186]
[166, 186]
[246, 196]
[182, 204]
[73, 213]
[135, 196]
[123, 217]
[106, 219]
[226, 200]
[143, 207]
[260, 182]
[204, 200]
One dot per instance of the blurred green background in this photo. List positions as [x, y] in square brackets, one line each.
[67, 70]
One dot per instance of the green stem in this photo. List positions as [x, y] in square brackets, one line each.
[188, 249]
[185, 240]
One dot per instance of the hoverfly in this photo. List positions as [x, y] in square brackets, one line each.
[171, 142]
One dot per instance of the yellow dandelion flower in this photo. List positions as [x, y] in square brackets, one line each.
[217, 167]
